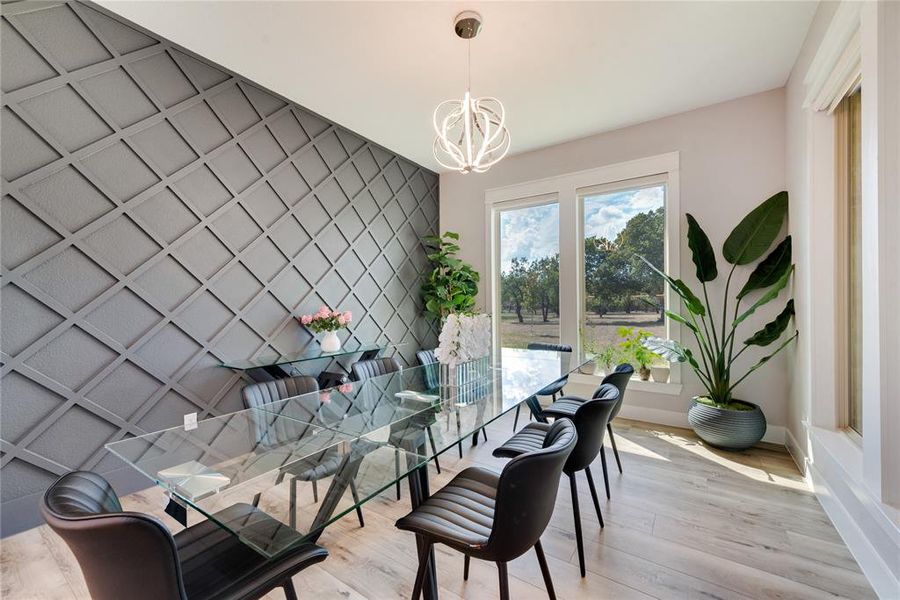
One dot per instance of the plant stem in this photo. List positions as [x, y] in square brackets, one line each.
[764, 360]
[711, 318]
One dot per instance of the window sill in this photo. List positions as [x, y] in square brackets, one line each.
[649, 387]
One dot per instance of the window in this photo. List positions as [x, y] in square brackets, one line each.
[849, 189]
[562, 259]
[620, 223]
[529, 275]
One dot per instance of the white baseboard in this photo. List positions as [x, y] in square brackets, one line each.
[852, 518]
[775, 434]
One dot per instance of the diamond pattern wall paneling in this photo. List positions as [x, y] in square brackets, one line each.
[161, 214]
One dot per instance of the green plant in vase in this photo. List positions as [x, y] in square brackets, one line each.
[635, 351]
[452, 284]
[715, 327]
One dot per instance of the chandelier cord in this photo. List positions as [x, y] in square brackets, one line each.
[469, 65]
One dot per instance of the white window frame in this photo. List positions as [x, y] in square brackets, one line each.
[567, 190]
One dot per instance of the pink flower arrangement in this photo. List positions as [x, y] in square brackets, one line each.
[326, 320]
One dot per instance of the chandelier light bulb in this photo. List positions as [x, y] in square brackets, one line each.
[471, 133]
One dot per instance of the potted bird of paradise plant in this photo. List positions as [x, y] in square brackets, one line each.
[718, 417]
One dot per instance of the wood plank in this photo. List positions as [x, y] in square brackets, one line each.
[685, 521]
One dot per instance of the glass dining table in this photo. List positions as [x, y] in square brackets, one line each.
[354, 441]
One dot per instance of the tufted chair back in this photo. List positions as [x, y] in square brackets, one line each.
[526, 493]
[365, 369]
[121, 554]
[619, 378]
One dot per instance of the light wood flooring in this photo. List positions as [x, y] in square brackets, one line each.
[685, 521]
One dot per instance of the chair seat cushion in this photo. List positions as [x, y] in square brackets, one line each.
[528, 439]
[215, 564]
[461, 513]
[564, 407]
[315, 468]
[553, 388]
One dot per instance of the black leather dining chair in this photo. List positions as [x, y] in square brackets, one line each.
[312, 469]
[428, 360]
[133, 555]
[590, 420]
[407, 433]
[619, 378]
[496, 517]
[552, 389]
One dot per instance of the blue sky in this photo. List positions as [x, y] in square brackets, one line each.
[534, 232]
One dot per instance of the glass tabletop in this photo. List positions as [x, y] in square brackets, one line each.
[311, 352]
[276, 475]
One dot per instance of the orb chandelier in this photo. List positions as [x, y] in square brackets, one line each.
[471, 133]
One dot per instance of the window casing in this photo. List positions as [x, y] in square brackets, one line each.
[848, 169]
[569, 192]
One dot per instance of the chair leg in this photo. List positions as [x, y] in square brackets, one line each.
[355, 493]
[612, 440]
[504, 581]
[256, 498]
[574, 487]
[397, 470]
[605, 474]
[424, 555]
[433, 449]
[590, 478]
[466, 560]
[516, 420]
[484, 433]
[289, 592]
[293, 503]
[545, 570]
[315, 491]
[458, 432]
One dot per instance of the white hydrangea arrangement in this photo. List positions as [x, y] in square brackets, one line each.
[464, 338]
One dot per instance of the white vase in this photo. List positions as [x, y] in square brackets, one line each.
[331, 342]
[660, 374]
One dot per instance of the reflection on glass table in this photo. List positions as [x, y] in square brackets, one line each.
[250, 457]
[308, 460]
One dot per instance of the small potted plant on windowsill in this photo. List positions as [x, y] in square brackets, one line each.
[635, 352]
[718, 417]
[660, 372]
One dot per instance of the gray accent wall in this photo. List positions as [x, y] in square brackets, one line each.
[161, 214]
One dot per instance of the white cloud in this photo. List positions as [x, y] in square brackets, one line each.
[533, 232]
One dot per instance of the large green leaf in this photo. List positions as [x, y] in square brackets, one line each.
[676, 317]
[769, 270]
[701, 251]
[669, 350]
[691, 301]
[756, 232]
[773, 330]
[770, 294]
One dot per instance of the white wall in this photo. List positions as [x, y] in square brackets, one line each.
[732, 157]
[856, 481]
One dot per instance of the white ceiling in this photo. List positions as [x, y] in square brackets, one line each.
[563, 70]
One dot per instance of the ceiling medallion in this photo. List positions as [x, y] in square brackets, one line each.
[471, 133]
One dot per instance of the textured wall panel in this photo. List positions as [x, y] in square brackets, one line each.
[160, 215]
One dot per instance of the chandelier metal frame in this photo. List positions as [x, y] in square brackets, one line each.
[471, 133]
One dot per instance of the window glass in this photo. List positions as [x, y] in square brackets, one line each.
[529, 275]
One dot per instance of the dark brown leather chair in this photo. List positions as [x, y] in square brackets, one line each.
[312, 469]
[408, 434]
[496, 517]
[132, 555]
[590, 418]
[552, 389]
[619, 378]
[373, 367]
[429, 361]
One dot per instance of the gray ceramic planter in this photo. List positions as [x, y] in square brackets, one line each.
[727, 429]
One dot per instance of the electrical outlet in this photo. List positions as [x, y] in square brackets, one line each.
[190, 421]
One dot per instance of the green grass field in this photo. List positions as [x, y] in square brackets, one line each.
[603, 330]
